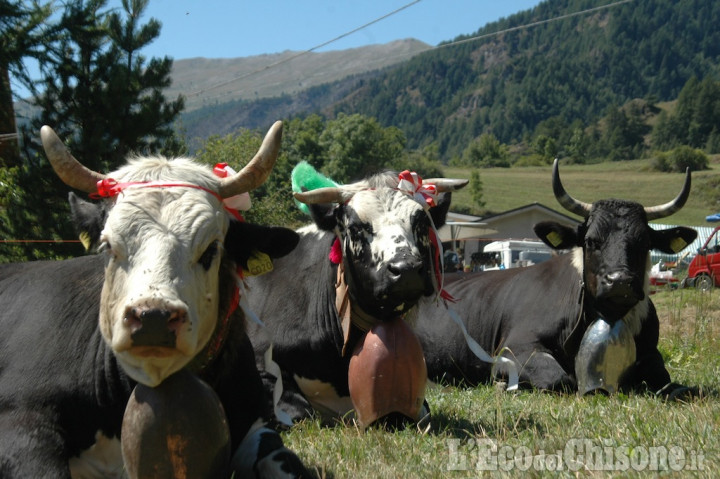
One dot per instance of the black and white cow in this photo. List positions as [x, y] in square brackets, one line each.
[540, 313]
[387, 256]
[77, 335]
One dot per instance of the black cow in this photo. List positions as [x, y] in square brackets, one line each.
[387, 255]
[76, 336]
[541, 312]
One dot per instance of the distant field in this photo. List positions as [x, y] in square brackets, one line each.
[508, 188]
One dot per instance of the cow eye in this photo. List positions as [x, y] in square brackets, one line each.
[591, 244]
[208, 255]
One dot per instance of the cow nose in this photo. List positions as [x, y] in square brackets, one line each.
[406, 273]
[153, 326]
[618, 282]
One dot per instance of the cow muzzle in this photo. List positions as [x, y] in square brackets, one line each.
[402, 283]
[154, 327]
[617, 293]
[405, 277]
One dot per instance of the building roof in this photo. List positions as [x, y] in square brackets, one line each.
[516, 223]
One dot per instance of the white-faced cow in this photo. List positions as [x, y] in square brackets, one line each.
[77, 335]
[540, 313]
[384, 234]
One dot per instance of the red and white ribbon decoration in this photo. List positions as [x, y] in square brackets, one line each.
[239, 202]
[411, 183]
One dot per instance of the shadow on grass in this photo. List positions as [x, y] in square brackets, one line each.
[461, 428]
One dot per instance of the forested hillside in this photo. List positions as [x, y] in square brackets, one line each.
[572, 71]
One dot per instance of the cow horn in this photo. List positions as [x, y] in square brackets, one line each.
[661, 211]
[446, 184]
[328, 194]
[70, 170]
[258, 169]
[568, 202]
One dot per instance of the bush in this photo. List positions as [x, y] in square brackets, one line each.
[681, 158]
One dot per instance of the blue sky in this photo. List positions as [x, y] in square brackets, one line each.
[240, 28]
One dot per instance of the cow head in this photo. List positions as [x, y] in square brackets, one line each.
[171, 251]
[385, 236]
[615, 241]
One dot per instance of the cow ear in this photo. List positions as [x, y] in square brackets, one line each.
[673, 240]
[88, 219]
[253, 246]
[440, 210]
[556, 235]
[323, 214]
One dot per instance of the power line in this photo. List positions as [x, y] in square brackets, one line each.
[305, 52]
[534, 24]
[444, 45]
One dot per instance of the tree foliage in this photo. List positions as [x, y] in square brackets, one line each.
[695, 120]
[573, 69]
[356, 145]
[485, 151]
[21, 36]
[104, 99]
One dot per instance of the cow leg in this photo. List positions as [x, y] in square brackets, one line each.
[649, 370]
[541, 370]
[31, 445]
[263, 454]
[292, 401]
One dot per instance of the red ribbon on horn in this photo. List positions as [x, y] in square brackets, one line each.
[107, 188]
[411, 183]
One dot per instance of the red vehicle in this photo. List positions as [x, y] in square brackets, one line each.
[704, 269]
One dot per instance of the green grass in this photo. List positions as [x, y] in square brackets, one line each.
[508, 188]
[535, 425]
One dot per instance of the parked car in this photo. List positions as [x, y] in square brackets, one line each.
[704, 269]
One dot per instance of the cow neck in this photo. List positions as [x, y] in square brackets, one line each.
[221, 333]
[581, 319]
[350, 313]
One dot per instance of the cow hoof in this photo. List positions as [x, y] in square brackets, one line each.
[678, 393]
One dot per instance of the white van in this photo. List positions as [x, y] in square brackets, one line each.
[517, 253]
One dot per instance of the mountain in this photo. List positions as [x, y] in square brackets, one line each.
[573, 70]
[206, 81]
[524, 70]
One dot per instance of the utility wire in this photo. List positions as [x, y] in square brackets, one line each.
[444, 45]
[305, 52]
[534, 24]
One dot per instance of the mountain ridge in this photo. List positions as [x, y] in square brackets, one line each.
[212, 81]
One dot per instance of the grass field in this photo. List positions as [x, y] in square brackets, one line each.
[539, 434]
[508, 188]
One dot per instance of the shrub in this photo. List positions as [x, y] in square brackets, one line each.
[681, 158]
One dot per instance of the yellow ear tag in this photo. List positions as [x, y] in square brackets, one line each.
[678, 244]
[85, 239]
[259, 263]
[554, 238]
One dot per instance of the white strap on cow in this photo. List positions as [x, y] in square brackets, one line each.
[245, 304]
[273, 368]
[499, 362]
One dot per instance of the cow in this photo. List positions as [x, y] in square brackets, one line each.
[382, 239]
[159, 297]
[538, 315]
